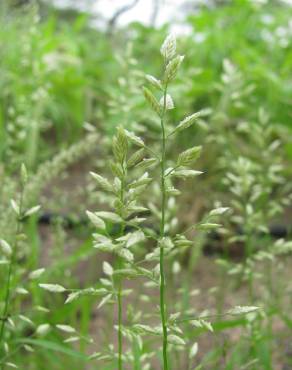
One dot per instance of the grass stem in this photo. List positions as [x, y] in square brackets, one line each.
[163, 312]
[5, 311]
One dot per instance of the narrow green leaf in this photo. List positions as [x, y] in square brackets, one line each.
[53, 346]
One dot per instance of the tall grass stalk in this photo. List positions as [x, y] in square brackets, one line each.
[119, 278]
[163, 310]
[18, 208]
[172, 63]
[122, 230]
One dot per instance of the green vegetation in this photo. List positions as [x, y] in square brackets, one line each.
[115, 253]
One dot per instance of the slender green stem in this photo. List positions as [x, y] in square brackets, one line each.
[120, 285]
[163, 312]
[120, 313]
[248, 246]
[215, 316]
[10, 272]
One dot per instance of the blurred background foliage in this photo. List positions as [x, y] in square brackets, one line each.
[58, 72]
